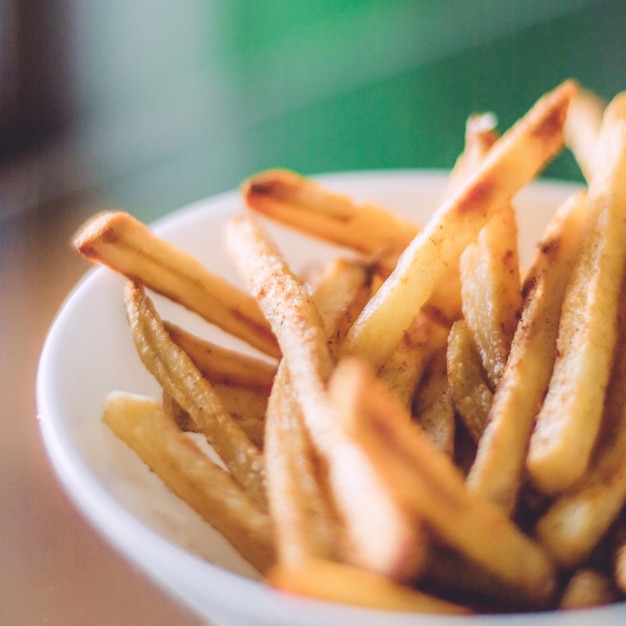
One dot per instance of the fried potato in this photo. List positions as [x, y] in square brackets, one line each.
[433, 406]
[364, 504]
[306, 523]
[577, 520]
[406, 365]
[245, 407]
[470, 393]
[130, 248]
[335, 582]
[568, 422]
[223, 366]
[491, 291]
[307, 206]
[179, 377]
[514, 160]
[427, 483]
[496, 473]
[582, 127]
[184, 468]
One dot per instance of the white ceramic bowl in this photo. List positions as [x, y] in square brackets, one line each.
[89, 353]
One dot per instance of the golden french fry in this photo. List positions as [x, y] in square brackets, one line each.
[577, 520]
[427, 483]
[340, 295]
[497, 470]
[513, 160]
[129, 247]
[406, 365]
[568, 422]
[179, 377]
[619, 557]
[491, 291]
[588, 588]
[364, 504]
[184, 468]
[582, 127]
[223, 366]
[433, 406]
[307, 206]
[335, 582]
[306, 524]
[470, 393]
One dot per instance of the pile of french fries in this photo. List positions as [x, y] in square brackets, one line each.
[422, 424]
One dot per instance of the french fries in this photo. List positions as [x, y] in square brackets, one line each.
[514, 160]
[124, 244]
[431, 427]
[145, 427]
[569, 419]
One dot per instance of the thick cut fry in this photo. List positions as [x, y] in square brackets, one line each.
[223, 366]
[427, 483]
[470, 393]
[184, 468]
[179, 377]
[364, 504]
[307, 206]
[340, 295]
[497, 470]
[578, 519]
[582, 127]
[514, 160]
[406, 365]
[491, 291]
[345, 584]
[129, 247]
[433, 406]
[306, 524]
[246, 408]
[568, 422]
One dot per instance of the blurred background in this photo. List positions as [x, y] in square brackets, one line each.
[151, 104]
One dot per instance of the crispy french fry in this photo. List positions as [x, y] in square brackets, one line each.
[568, 422]
[364, 504]
[307, 206]
[577, 520]
[179, 377]
[514, 160]
[427, 483]
[340, 295]
[129, 247]
[491, 291]
[241, 406]
[306, 522]
[184, 468]
[470, 393]
[433, 406]
[335, 582]
[497, 470]
[582, 127]
[223, 366]
[406, 365]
